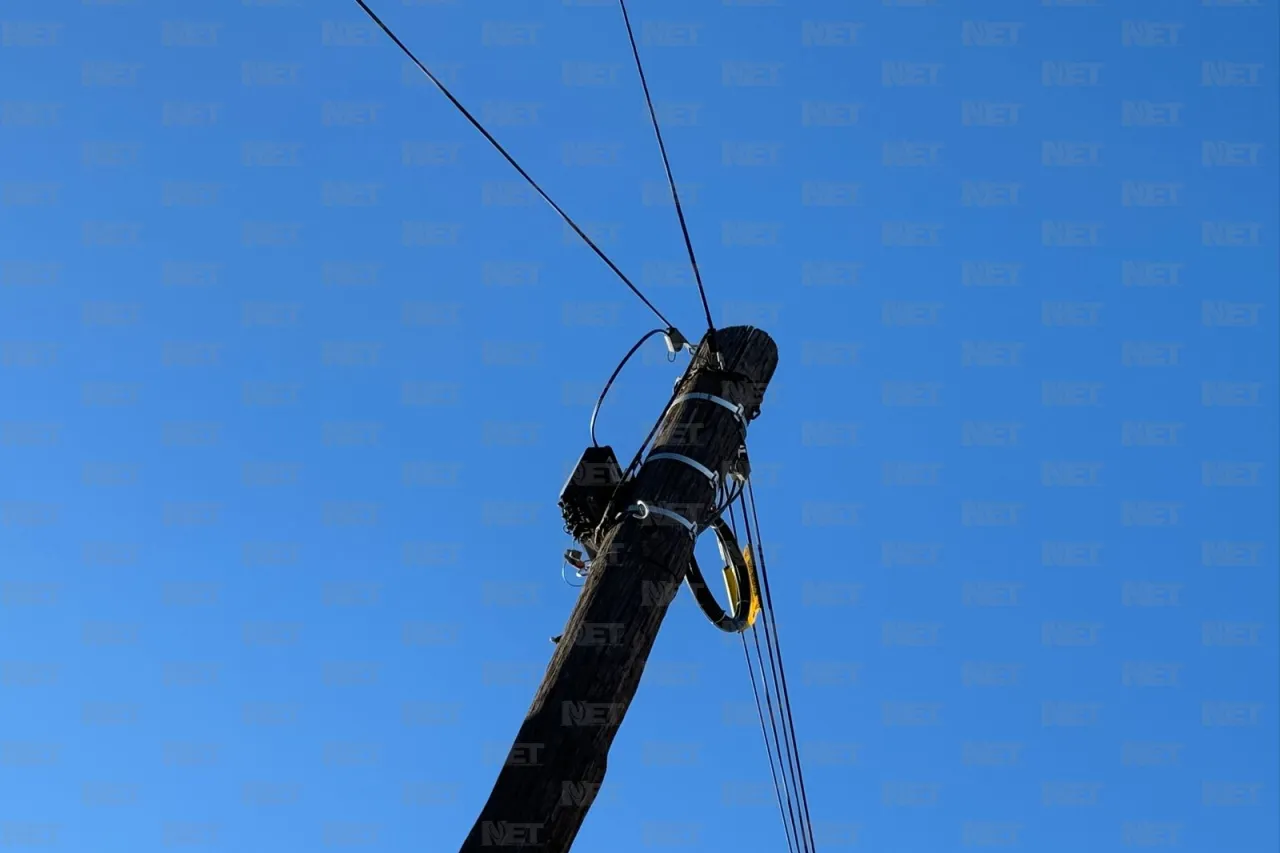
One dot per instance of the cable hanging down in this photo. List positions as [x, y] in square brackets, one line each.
[772, 699]
[671, 181]
[773, 649]
[498, 146]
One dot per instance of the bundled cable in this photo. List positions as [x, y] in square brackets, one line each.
[776, 721]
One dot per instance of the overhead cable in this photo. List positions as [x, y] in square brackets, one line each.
[773, 644]
[498, 146]
[772, 743]
[666, 164]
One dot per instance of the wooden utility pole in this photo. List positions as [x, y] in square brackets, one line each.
[557, 764]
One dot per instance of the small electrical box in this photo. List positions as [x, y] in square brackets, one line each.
[586, 495]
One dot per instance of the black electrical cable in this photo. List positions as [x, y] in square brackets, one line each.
[783, 744]
[768, 746]
[596, 411]
[611, 517]
[780, 676]
[798, 827]
[788, 826]
[730, 497]
[671, 181]
[635, 460]
[804, 832]
[476, 124]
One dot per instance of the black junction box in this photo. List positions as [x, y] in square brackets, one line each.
[586, 494]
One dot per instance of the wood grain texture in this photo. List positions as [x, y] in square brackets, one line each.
[560, 754]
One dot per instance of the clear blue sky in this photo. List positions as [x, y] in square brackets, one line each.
[293, 370]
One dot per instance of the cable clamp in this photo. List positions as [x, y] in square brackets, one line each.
[692, 463]
[675, 341]
[739, 468]
[643, 510]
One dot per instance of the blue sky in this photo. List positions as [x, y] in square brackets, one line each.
[294, 368]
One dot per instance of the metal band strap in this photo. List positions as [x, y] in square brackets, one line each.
[645, 511]
[738, 411]
[692, 463]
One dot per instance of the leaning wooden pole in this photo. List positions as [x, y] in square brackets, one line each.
[558, 760]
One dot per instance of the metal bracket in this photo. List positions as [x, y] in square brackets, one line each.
[645, 510]
[692, 463]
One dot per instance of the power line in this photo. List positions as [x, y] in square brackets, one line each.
[780, 676]
[770, 744]
[788, 826]
[801, 827]
[498, 146]
[784, 744]
[666, 164]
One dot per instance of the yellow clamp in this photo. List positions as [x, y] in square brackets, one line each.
[731, 585]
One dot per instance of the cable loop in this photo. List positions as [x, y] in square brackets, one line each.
[738, 579]
[595, 412]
